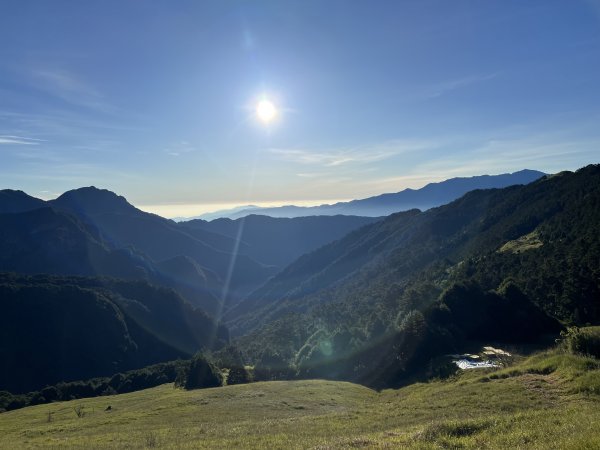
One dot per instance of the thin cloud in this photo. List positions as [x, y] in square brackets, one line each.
[439, 89]
[502, 155]
[18, 140]
[480, 155]
[311, 175]
[179, 148]
[61, 122]
[75, 173]
[70, 88]
[342, 157]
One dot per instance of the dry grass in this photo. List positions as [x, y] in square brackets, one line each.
[524, 243]
[535, 404]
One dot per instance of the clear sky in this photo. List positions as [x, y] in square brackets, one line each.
[156, 100]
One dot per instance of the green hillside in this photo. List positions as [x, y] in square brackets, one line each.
[503, 265]
[549, 400]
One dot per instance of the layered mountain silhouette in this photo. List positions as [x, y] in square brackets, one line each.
[99, 308]
[279, 241]
[122, 225]
[429, 196]
[48, 240]
[367, 299]
[90, 231]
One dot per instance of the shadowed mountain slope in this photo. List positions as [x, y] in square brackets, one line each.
[91, 231]
[279, 241]
[18, 201]
[52, 241]
[121, 224]
[56, 329]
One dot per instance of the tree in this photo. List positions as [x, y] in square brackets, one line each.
[200, 374]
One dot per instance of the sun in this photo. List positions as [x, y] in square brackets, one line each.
[266, 111]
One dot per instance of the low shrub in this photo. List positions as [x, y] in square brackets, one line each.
[583, 341]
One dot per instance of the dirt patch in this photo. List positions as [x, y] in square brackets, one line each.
[545, 386]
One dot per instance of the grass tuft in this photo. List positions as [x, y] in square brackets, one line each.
[452, 429]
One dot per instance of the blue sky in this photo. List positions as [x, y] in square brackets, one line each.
[155, 100]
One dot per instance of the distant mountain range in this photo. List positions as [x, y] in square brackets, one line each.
[429, 196]
[222, 213]
[90, 231]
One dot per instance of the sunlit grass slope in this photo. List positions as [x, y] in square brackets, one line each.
[546, 401]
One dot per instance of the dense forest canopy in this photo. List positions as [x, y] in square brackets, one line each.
[505, 265]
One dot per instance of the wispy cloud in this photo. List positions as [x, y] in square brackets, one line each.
[179, 148]
[312, 175]
[61, 123]
[62, 131]
[439, 89]
[341, 157]
[70, 88]
[534, 152]
[75, 173]
[486, 152]
[7, 139]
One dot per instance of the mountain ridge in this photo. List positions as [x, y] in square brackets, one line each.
[430, 195]
[15, 201]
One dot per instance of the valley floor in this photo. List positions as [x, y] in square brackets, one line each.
[547, 401]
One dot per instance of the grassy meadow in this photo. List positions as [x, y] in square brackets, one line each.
[550, 400]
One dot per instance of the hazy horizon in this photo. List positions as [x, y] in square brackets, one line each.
[171, 211]
[187, 210]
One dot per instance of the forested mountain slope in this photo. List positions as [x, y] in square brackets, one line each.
[92, 231]
[121, 224]
[534, 247]
[69, 328]
[47, 240]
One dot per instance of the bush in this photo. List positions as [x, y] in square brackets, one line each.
[231, 361]
[583, 341]
[238, 375]
[50, 393]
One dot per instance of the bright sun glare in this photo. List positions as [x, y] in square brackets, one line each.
[266, 111]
